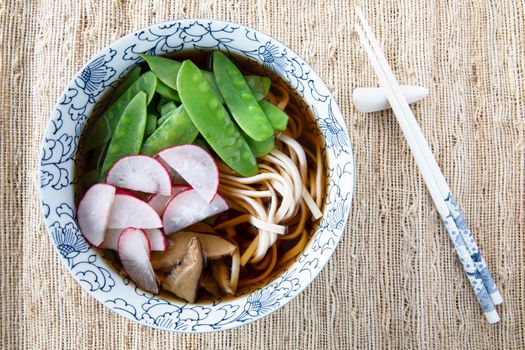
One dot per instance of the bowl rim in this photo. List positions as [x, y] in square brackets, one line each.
[131, 38]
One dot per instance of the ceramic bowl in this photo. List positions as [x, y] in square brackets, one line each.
[58, 179]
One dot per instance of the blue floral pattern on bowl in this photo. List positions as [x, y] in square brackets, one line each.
[61, 140]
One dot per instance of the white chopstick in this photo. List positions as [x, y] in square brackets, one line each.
[442, 184]
[432, 175]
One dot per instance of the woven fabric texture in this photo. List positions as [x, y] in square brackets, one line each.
[394, 281]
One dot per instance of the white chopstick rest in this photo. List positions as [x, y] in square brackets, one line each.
[367, 100]
[473, 264]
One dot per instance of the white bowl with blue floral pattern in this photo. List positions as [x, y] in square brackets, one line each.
[93, 271]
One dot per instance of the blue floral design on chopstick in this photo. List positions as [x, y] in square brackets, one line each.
[471, 245]
[469, 266]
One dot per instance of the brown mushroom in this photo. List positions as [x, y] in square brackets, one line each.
[209, 283]
[221, 272]
[215, 247]
[183, 280]
[201, 227]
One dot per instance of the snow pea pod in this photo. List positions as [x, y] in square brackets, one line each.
[259, 85]
[167, 92]
[162, 102]
[167, 107]
[151, 124]
[177, 129]
[164, 68]
[128, 134]
[126, 83]
[200, 141]
[277, 118]
[261, 148]
[212, 120]
[103, 129]
[240, 99]
[213, 84]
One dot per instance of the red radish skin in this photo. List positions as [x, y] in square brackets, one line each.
[158, 201]
[195, 165]
[94, 211]
[124, 191]
[140, 173]
[129, 211]
[134, 253]
[157, 239]
[187, 208]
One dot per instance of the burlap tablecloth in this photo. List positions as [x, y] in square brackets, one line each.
[394, 281]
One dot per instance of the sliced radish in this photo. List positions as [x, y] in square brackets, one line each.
[111, 238]
[94, 211]
[176, 179]
[157, 239]
[134, 251]
[124, 191]
[129, 211]
[140, 173]
[158, 201]
[187, 208]
[196, 166]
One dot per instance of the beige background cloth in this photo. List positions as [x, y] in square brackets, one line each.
[394, 281]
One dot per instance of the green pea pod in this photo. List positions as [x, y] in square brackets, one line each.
[167, 92]
[103, 129]
[167, 107]
[277, 118]
[126, 83]
[260, 85]
[200, 141]
[240, 99]
[162, 102]
[213, 83]
[99, 154]
[164, 68]
[151, 124]
[152, 106]
[261, 148]
[212, 120]
[162, 119]
[177, 129]
[128, 134]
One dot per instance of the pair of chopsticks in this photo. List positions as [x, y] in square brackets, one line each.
[473, 263]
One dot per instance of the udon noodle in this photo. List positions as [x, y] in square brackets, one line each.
[276, 203]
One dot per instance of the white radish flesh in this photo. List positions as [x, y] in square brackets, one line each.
[134, 253]
[94, 212]
[111, 239]
[196, 166]
[129, 211]
[187, 208]
[158, 201]
[140, 173]
[176, 179]
[157, 239]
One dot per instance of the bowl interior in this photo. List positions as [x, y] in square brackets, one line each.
[60, 158]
